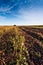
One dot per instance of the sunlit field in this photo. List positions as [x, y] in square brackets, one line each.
[21, 45]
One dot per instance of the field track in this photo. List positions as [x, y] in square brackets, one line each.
[33, 41]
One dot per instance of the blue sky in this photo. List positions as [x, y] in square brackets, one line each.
[21, 12]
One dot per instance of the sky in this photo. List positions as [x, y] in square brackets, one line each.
[21, 12]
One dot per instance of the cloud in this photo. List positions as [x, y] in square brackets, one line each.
[2, 20]
[22, 15]
[30, 18]
[2, 9]
[7, 7]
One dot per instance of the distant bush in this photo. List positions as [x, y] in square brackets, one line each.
[12, 48]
